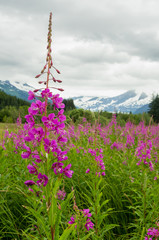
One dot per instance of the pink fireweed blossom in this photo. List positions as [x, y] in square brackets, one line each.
[29, 183]
[72, 220]
[31, 95]
[36, 157]
[117, 145]
[68, 173]
[60, 155]
[50, 145]
[32, 169]
[57, 167]
[48, 121]
[27, 153]
[61, 139]
[144, 154]
[46, 93]
[129, 141]
[43, 180]
[61, 116]
[89, 224]
[97, 153]
[57, 126]
[57, 101]
[37, 107]
[30, 122]
[85, 215]
[35, 134]
[19, 121]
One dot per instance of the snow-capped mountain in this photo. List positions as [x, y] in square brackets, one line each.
[130, 101]
[16, 89]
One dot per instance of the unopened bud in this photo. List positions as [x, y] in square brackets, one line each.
[60, 89]
[36, 90]
[37, 76]
[57, 71]
[59, 81]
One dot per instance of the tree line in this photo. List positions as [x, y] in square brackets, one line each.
[12, 107]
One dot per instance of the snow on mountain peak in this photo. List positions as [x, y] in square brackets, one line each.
[131, 100]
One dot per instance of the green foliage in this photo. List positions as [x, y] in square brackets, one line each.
[154, 108]
[80, 115]
[11, 107]
[69, 104]
[7, 100]
[124, 202]
[104, 117]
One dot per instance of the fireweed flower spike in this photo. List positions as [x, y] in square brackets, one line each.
[53, 124]
[44, 142]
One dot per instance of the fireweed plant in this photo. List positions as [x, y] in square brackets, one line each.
[130, 157]
[43, 148]
[129, 186]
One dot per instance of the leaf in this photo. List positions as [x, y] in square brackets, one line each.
[103, 203]
[67, 232]
[87, 236]
[99, 182]
[65, 203]
[89, 199]
[40, 219]
[58, 218]
[108, 227]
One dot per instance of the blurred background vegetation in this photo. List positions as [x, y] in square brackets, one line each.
[12, 107]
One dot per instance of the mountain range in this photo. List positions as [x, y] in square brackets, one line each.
[130, 101]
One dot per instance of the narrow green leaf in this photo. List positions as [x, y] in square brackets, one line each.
[65, 203]
[87, 236]
[67, 232]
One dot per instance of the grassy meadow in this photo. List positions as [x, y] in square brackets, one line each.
[123, 198]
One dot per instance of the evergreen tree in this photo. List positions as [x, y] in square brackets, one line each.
[69, 104]
[154, 108]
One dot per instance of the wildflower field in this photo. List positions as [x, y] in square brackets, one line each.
[115, 176]
[63, 181]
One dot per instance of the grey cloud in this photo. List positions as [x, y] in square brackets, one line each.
[96, 42]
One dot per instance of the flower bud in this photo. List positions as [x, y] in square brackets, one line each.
[57, 71]
[37, 76]
[36, 90]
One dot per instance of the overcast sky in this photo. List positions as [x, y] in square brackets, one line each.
[101, 47]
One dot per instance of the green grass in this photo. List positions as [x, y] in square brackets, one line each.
[131, 191]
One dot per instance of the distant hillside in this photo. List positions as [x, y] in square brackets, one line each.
[10, 89]
[7, 100]
[130, 101]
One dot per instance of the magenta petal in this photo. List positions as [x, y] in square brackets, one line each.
[29, 183]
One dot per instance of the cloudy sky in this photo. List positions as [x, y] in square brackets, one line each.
[101, 47]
